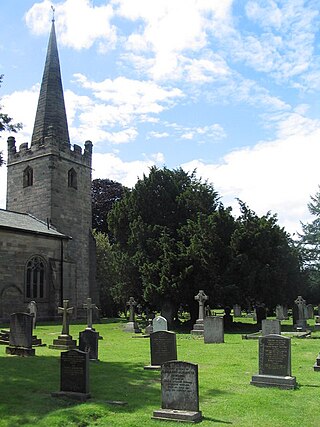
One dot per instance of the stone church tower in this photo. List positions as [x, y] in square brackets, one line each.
[51, 180]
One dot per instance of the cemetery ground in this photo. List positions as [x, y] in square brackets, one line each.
[124, 394]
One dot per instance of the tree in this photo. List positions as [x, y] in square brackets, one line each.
[6, 124]
[309, 245]
[266, 265]
[104, 194]
[146, 226]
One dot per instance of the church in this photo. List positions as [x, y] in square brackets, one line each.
[47, 251]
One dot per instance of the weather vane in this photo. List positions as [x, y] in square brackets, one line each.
[53, 10]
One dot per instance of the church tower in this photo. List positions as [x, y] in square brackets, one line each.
[51, 180]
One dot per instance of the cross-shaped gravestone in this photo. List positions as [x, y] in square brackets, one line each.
[89, 307]
[131, 303]
[201, 298]
[301, 303]
[65, 311]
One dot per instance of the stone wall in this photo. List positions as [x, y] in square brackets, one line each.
[16, 248]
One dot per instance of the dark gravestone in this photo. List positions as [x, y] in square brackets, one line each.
[163, 348]
[20, 341]
[227, 318]
[274, 363]
[261, 313]
[88, 341]
[180, 392]
[74, 375]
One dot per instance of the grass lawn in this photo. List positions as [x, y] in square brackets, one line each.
[225, 370]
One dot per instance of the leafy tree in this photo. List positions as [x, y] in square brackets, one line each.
[146, 226]
[104, 194]
[266, 264]
[309, 245]
[6, 124]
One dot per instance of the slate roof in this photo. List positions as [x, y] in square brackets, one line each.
[27, 223]
[51, 113]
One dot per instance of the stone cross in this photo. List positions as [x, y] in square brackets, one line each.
[65, 311]
[201, 298]
[89, 307]
[131, 303]
[301, 304]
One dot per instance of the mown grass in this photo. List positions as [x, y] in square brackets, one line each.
[225, 370]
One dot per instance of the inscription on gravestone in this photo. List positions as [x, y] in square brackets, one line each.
[275, 358]
[74, 371]
[180, 392]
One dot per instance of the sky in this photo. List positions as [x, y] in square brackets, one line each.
[227, 88]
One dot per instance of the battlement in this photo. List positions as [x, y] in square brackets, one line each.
[50, 146]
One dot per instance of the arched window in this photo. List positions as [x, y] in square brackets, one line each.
[28, 177]
[35, 278]
[72, 178]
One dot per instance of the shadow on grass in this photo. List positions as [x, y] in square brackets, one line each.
[214, 420]
[26, 384]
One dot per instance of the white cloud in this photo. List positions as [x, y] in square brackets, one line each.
[79, 24]
[172, 27]
[278, 176]
[110, 166]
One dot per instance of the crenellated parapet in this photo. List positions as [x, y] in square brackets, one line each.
[51, 147]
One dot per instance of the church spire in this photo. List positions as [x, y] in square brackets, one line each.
[51, 118]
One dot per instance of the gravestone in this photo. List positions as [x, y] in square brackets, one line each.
[88, 342]
[64, 341]
[279, 312]
[299, 312]
[179, 393]
[20, 338]
[317, 323]
[132, 326]
[270, 326]
[237, 310]
[213, 330]
[32, 308]
[310, 311]
[149, 328]
[74, 375]
[201, 297]
[274, 363]
[261, 313]
[163, 348]
[227, 318]
[159, 323]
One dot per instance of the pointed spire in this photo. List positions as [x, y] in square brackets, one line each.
[51, 118]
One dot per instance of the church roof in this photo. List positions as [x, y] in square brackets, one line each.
[51, 118]
[27, 223]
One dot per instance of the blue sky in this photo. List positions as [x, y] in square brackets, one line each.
[230, 88]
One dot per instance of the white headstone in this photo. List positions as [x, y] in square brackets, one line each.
[159, 323]
[270, 326]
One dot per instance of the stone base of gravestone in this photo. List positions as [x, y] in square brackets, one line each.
[198, 327]
[288, 383]
[63, 342]
[177, 415]
[132, 327]
[20, 351]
